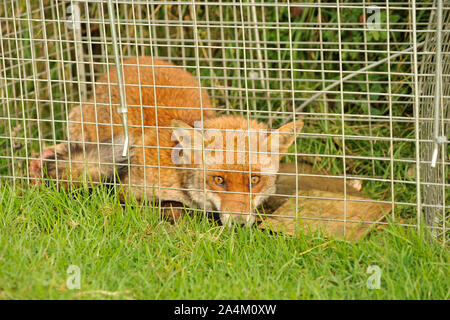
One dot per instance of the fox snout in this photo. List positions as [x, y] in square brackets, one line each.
[239, 213]
[243, 219]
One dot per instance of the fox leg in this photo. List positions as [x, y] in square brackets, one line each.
[48, 156]
[76, 161]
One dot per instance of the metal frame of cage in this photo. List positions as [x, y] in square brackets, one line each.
[53, 50]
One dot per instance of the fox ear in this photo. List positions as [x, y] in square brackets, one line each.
[187, 136]
[286, 135]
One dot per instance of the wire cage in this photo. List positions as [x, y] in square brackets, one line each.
[370, 79]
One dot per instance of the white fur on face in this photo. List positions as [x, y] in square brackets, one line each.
[226, 219]
[214, 199]
[250, 220]
[209, 201]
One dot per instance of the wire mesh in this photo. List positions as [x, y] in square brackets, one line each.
[361, 75]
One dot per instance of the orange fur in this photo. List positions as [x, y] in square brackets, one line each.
[173, 101]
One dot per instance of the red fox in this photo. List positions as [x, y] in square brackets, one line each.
[179, 151]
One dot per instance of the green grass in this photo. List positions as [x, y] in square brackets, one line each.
[129, 253]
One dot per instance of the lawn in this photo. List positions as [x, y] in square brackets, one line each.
[128, 252]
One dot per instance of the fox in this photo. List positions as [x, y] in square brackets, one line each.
[180, 149]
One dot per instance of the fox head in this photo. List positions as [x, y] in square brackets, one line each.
[231, 163]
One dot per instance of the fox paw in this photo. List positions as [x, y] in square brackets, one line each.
[41, 165]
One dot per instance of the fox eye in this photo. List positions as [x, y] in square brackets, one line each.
[219, 180]
[255, 180]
